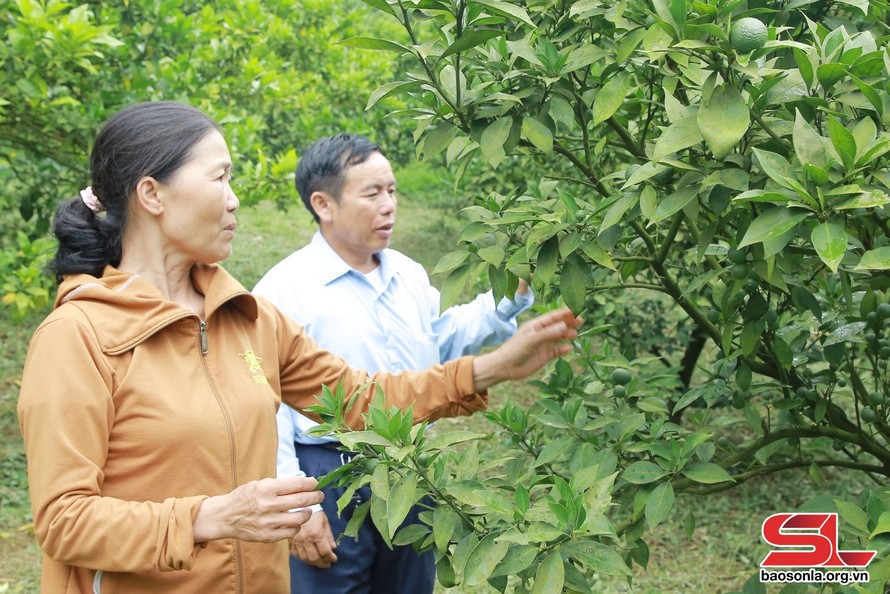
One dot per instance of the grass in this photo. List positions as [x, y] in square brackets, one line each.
[721, 553]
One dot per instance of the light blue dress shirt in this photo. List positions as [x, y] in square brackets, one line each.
[397, 327]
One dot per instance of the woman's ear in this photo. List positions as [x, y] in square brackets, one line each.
[148, 196]
[323, 205]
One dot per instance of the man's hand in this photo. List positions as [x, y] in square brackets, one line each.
[314, 543]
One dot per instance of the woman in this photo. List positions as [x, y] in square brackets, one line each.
[149, 394]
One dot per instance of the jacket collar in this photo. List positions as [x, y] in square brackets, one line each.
[125, 309]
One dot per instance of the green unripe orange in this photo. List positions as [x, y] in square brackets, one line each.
[620, 376]
[740, 271]
[868, 414]
[883, 311]
[876, 398]
[619, 391]
[747, 35]
[736, 256]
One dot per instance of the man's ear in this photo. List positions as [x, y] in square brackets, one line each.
[323, 204]
[149, 196]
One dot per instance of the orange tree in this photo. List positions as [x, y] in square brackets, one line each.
[270, 72]
[706, 183]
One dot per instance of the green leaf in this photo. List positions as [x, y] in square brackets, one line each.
[723, 120]
[550, 576]
[706, 472]
[771, 224]
[609, 99]
[388, 89]
[453, 285]
[545, 267]
[493, 140]
[617, 210]
[843, 141]
[410, 534]
[830, 241]
[445, 440]
[484, 559]
[876, 259]
[450, 261]
[829, 74]
[872, 199]
[372, 43]
[538, 134]
[493, 254]
[518, 558]
[659, 504]
[572, 283]
[776, 167]
[379, 516]
[643, 473]
[596, 253]
[852, 515]
[678, 136]
[506, 9]
[883, 525]
[675, 202]
[381, 5]
[445, 521]
[470, 40]
[808, 145]
[399, 502]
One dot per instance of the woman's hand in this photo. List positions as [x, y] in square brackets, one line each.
[535, 343]
[258, 511]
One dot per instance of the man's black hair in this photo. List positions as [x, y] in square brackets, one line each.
[324, 163]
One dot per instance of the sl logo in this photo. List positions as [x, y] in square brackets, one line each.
[814, 536]
[253, 364]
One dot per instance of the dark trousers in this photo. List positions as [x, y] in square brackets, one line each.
[366, 565]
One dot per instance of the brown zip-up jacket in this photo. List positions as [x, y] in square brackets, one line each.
[134, 410]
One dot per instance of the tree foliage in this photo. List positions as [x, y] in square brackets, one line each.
[721, 221]
[270, 72]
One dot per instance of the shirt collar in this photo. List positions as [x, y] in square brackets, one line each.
[331, 266]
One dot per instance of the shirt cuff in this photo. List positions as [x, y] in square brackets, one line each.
[510, 308]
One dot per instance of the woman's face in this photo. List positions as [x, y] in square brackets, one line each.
[198, 219]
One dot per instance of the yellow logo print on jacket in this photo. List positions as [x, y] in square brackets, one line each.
[253, 364]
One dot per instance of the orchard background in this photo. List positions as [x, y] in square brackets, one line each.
[713, 206]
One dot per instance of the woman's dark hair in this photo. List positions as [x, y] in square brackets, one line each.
[147, 139]
[322, 166]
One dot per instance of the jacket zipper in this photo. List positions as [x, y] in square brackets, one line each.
[203, 329]
[204, 350]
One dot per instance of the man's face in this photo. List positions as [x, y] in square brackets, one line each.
[361, 222]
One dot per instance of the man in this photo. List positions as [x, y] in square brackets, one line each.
[374, 307]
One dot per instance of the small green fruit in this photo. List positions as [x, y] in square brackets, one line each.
[736, 256]
[620, 376]
[747, 35]
[876, 399]
[619, 391]
[713, 316]
[868, 414]
[739, 271]
[883, 311]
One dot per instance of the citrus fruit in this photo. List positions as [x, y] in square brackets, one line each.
[620, 376]
[619, 391]
[747, 34]
[884, 311]
[868, 414]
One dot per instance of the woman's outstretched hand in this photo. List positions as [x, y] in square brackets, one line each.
[535, 343]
